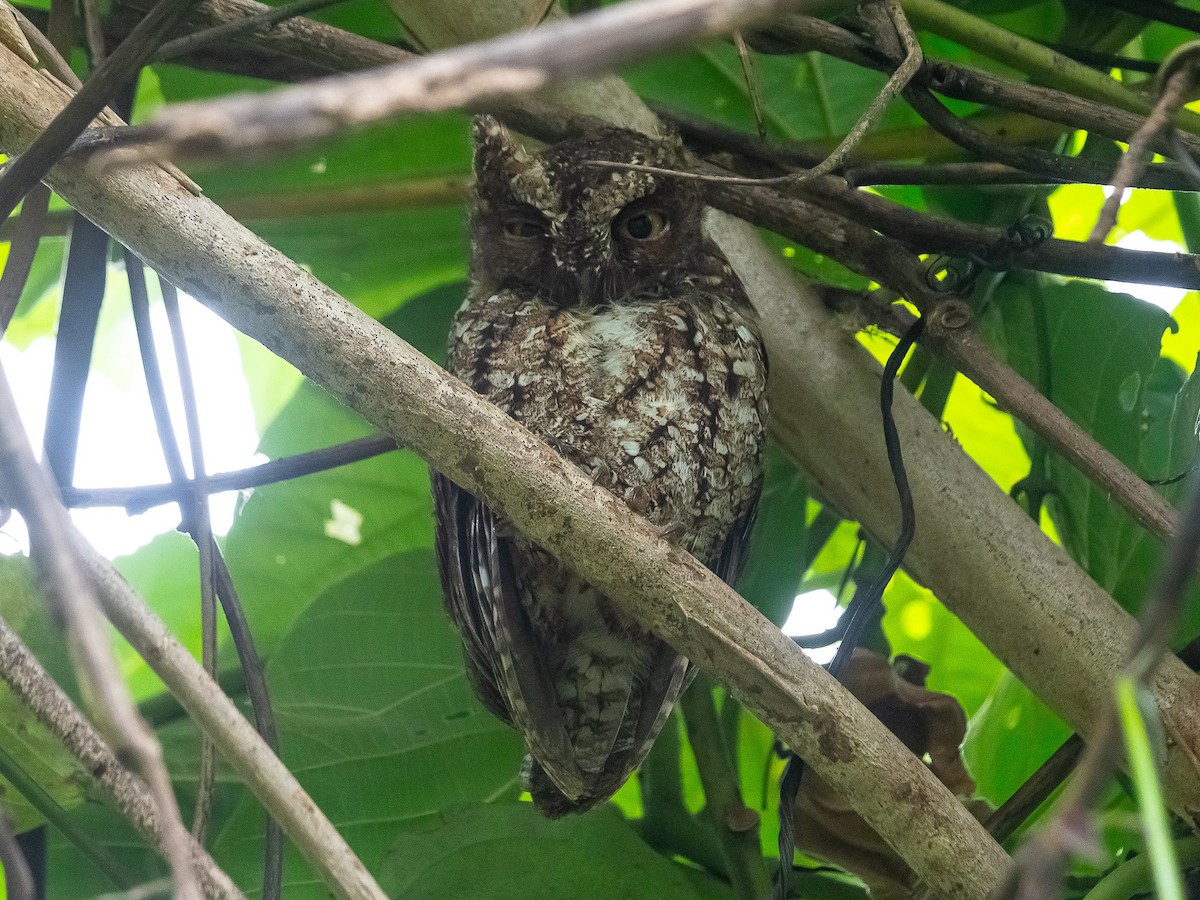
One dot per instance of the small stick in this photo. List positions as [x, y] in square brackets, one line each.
[1174, 93]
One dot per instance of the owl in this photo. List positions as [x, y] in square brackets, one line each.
[600, 317]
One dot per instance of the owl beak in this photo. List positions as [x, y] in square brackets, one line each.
[587, 287]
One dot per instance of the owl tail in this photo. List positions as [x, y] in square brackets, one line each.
[553, 803]
[657, 690]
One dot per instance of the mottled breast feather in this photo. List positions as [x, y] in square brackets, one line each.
[639, 359]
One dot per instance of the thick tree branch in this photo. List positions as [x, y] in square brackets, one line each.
[273, 299]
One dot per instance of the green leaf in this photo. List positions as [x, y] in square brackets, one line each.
[34, 749]
[35, 316]
[166, 574]
[1103, 349]
[1009, 738]
[376, 717]
[507, 851]
[919, 625]
[286, 546]
[376, 258]
[806, 97]
[776, 557]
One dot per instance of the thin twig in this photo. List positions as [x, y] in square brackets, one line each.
[488, 70]
[260, 705]
[116, 71]
[253, 24]
[139, 499]
[1179, 16]
[93, 32]
[199, 524]
[898, 81]
[1036, 790]
[750, 78]
[139, 302]
[31, 684]
[22, 251]
[837, 158]
[1175, 91]
[26, 487]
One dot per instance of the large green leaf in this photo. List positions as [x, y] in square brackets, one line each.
[166, 574]
[1009, 738]
[377, 258]
[290, 541]
[775, 563]
[805, 97]
[1103, 349]
[32, 748]
[293, 540]
[508, 852]
[376, 717]
[918, 625]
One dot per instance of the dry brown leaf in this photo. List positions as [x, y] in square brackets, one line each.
[931, 725]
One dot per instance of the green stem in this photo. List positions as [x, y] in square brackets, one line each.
[735, 826]
[666, 824]
[1133, 877]
[1036, 61]
[1159, 847]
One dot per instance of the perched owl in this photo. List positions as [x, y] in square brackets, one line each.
[600, 317]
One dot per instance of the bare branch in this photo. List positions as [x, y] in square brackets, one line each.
[139, 499]
[22, 251]
[514, 64]
[1176, 87]
[264, 21]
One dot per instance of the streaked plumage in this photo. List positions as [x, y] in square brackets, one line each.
[601, 318]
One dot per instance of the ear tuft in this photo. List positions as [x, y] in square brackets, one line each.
[498, 156]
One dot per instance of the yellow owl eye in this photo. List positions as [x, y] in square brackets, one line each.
[645, 225]
[525, 228]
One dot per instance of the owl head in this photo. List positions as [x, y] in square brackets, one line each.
[553, 225]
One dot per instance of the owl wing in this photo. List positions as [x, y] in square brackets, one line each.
[503, 656]
[727, 562]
